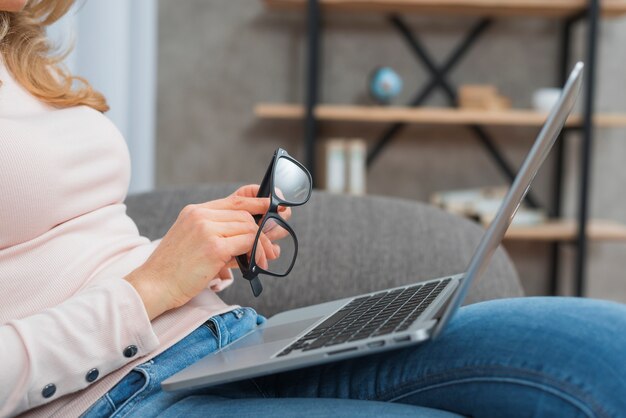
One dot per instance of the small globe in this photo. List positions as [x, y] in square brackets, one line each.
[384, 84]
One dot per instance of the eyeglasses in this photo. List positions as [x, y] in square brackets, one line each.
[287, 183]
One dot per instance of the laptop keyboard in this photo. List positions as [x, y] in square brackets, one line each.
[371, 316]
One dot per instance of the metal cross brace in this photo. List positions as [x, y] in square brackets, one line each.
[438, 79]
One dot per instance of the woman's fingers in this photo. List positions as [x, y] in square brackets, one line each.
[225, 274]
[245, 199]
[268, 248]
[264, 249]
[231, 228]
[274, 230]
[253, 205]
[285, 212]
[277, 233]
[225, 215]
[232, 264]
[233, 216]
[228, 223]
[239, 244]
[249, 190]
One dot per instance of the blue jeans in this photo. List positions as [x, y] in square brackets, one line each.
[542, 357]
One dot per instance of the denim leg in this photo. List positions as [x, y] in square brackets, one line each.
[514, 357]
[206, 406]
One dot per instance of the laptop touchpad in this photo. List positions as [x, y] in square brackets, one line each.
[274, 333]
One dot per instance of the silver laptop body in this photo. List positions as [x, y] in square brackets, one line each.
[269, 348]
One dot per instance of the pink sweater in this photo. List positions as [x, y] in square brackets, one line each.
[65, 245]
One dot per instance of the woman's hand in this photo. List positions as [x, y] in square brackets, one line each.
[274, 234]
[199, 246]
[251, 190]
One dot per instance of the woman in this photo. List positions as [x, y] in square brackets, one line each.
[94, 316]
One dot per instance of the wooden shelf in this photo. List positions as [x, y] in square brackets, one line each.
[545, 8]
[566, 230]
[427, 115]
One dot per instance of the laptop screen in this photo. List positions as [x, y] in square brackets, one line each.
[537, 154]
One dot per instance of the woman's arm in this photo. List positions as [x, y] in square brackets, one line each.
[107, 324]
[103, 327]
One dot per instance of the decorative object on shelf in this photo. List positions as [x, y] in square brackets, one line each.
[482, 205]
[544, 99]
[384, 85]
[482, 97]
[344, 166]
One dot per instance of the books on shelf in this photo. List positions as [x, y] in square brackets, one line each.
[345, 165]
[482, 204]
[335, 172]
[357, 170]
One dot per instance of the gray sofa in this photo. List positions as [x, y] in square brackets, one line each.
[348, 245]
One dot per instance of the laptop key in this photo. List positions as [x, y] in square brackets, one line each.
[317, 343]
[340, 340]
[403, 327]
[359, 337]
[338, 316]
[384, 330]
[299, 344]
[284, 352]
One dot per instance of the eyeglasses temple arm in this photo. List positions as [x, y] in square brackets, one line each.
[256, 286]
[265, 187]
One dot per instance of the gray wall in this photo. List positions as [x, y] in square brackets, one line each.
[217, 58]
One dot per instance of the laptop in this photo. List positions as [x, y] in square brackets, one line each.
[371, 323]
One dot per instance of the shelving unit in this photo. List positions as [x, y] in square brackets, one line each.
[568, 12]
[427, 115]
[494, 8]
[566, 230]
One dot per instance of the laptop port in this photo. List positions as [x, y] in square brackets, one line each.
[376, 344]
[345, 350]
[404, 339]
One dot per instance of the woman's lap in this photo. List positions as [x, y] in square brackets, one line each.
[527, 356]
[199, 406]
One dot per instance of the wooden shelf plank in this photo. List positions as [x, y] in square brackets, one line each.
[546, 8]
[566, 230]
[427, 115]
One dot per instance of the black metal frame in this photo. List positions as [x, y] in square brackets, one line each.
[312, 84]
[438, 79]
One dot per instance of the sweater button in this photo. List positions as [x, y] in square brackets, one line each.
[130, 351]
[92, 375]
[48, 390]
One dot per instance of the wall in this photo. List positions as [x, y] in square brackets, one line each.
[115, 49]
[218, 58]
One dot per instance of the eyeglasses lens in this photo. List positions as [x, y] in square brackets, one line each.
[282, 246]
[291, 183]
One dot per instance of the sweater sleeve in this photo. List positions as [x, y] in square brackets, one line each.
[72, 345]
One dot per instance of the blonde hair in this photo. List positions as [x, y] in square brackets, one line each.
[35, 65]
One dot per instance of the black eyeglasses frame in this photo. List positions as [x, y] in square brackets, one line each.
[249, 269]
